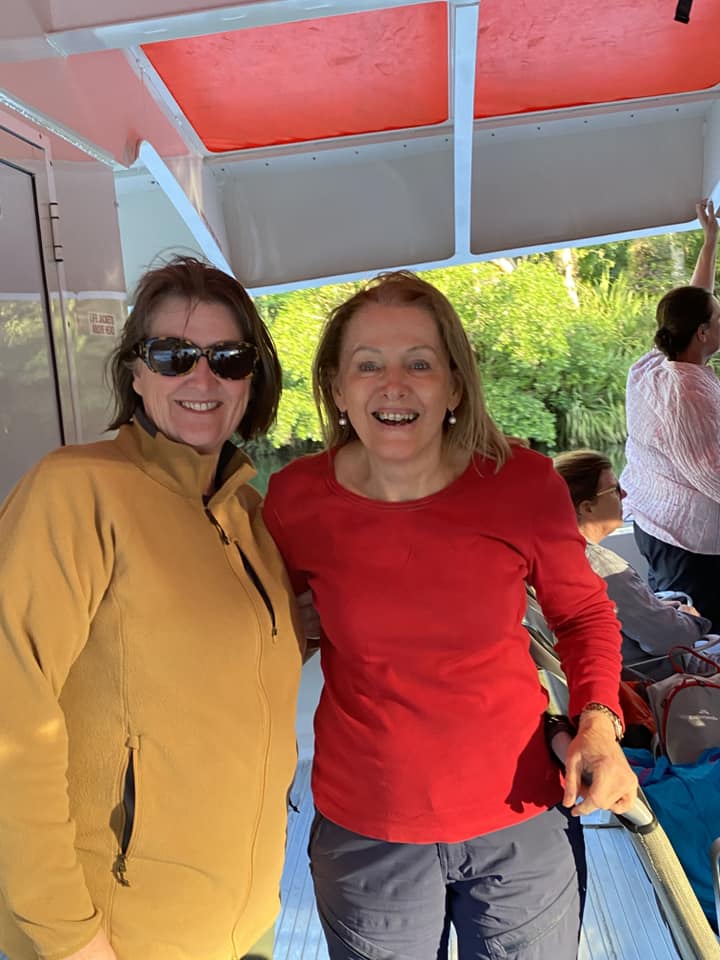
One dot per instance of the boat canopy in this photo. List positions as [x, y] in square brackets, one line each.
[300, 141]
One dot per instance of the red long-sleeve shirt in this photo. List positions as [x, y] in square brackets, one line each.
[429, 724]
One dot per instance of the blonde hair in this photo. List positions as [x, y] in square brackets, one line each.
[474, 429]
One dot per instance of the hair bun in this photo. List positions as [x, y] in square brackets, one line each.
[663, 338]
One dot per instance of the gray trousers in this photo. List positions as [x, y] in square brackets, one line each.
[515, 893]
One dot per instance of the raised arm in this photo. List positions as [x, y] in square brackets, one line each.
[704, 274]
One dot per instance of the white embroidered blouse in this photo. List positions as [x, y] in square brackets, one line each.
[672, 477]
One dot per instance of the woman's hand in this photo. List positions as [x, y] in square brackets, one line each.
[596, 754]
[311, 623]
[708, 219]
[704, 273]
[98, 949]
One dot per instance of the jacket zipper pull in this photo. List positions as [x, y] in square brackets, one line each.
[120, 869]
[211, 517]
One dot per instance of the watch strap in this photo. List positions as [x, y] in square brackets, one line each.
[602, 708]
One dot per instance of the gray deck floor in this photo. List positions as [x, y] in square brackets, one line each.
[622, 921]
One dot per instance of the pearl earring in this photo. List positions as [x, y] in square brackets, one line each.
[452, 419]
[342, 419]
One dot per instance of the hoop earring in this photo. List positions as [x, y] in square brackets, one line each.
[452, 419]
[342, 419]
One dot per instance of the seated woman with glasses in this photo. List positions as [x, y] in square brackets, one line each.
[149, 658]
[650, 626]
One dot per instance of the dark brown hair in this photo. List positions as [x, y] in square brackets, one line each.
[680, 312]
[474, 429]
[197, 282]
[581, 469]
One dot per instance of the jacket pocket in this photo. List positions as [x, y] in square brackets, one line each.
[130, 807]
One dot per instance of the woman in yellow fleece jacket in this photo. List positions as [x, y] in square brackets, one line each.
[149, 657]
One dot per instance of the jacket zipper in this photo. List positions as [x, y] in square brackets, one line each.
[260, 587]
[249, 570]
[129, 803]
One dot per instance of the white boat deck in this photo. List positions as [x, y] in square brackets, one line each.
[622, 920]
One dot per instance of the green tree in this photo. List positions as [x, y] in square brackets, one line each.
[613, 327]
[518, 318]
[295, 321]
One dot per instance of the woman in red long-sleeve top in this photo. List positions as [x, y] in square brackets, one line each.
[416, 531]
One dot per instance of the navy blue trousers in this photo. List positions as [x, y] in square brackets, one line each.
[515, 893]
[672, 568]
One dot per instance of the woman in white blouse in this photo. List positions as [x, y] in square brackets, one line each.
[672, 477]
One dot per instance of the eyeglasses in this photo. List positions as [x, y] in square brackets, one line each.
[175, 357]
[616, 488]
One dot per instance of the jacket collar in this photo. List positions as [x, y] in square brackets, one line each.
[179, 467]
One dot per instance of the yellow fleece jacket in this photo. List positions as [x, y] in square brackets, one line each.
[149, 665]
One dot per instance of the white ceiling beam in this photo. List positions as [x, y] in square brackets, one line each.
[28, 112]
[459, 260]
[608, 107]
[158, 90]
[463, 54]
[344, 146]
[133, 33]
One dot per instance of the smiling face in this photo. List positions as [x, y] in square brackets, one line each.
[394, 381]
[199, 409]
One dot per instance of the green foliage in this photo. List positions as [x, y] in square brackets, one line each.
[267, 458]
[518, 321]
[295, 321]
[520, 414]
[23, 354]
[657, 264]
[609, 260]
[613, 328]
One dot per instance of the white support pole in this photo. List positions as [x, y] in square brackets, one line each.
[464, 18]
[711, 164]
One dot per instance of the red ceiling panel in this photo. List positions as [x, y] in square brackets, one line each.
[541, 56]
[311, 80]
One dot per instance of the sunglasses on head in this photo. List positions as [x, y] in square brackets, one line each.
[175, 357]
